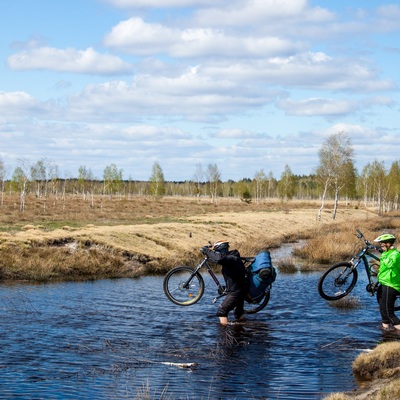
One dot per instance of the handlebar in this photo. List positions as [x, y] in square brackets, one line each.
[367, 242]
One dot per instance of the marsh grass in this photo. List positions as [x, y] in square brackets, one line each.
[337, 242]
[145, 393]
[380, 368]
[346, 303]
[286, 265]
[382, 362]
[80, 239]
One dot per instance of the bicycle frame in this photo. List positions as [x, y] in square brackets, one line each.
[362, 256]
[339, 280]
[221, 289]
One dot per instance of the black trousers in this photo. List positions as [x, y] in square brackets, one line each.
[386, 298]
[233, 301]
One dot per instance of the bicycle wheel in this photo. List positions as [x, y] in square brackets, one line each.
[337, 282]
[252, 308]
[183, 287]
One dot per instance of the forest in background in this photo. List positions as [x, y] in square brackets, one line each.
[335, 178]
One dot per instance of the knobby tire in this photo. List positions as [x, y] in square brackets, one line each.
[338, 281]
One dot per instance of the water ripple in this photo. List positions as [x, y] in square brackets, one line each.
[110, 339]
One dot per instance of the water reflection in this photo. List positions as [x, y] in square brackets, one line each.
[110, 339]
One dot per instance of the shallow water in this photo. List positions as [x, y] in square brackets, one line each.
[109, 339]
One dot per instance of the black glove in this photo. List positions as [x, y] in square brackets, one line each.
[212, 255]
[204, 249]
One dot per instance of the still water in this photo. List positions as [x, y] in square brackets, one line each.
[110, 339]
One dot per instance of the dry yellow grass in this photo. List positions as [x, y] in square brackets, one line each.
[158, 246]
[383, 362]
[381, 369]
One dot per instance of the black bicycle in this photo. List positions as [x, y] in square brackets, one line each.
[184, 286]
[339, 280]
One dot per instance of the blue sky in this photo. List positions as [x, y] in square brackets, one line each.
[249, 85]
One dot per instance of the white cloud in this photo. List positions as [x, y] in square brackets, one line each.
[318, 106]
[134, 36]
[138, 37]
[161, 3]
[68, 60]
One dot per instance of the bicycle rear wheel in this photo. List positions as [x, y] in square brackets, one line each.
[397, 304]
[338, 281]
[183, 287]
[252, 308]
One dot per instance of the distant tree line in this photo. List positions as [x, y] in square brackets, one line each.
[335, 178]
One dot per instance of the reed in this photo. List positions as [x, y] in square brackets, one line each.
[337, 242]
[286, 265]
[346, 303]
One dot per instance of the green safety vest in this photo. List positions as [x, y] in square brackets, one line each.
[389, 270]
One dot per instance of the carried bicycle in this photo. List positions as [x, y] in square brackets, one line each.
[185, 286]
[339, 280]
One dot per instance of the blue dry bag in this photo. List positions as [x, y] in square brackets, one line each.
[260, 275]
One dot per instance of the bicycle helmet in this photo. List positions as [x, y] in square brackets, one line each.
[222, 246]
[386, 237]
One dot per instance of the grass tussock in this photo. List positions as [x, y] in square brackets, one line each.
[286, 265]
[381, 368]
[337, 396]
[346, 303]
[44, 264]
[383, 362]
[380, 391]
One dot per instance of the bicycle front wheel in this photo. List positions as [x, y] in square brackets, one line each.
[338, 281]
[252, 308]
[183, 286]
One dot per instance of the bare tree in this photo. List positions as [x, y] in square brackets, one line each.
[20, 179]
[3, 175]
[213, 177]
[393, 187]
[198, 178]
[377, 179]
[260, 180]
[335, 166]
[85, 182]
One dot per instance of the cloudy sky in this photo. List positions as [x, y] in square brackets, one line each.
[248, 85]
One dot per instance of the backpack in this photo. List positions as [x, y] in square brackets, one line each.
[260, 274]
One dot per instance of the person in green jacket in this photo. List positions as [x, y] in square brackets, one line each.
[389, 281]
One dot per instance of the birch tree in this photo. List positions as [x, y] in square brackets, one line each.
[260, 181]
[20, 179]
[198, 178]
[3, 175]
[213, 178]
[157, 181]
[286, 186]
[112, 179]
[336, 167]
